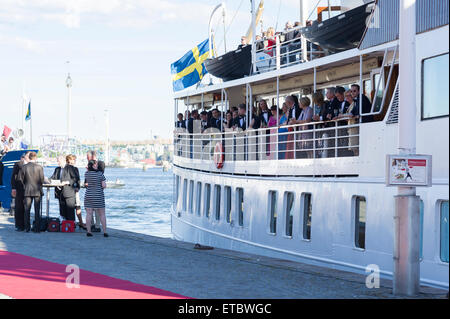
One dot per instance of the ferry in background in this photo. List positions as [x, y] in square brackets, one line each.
[327, 204]
[7, 162]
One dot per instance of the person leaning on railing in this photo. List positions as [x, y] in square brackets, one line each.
[352, 116]
[305, 117]
[282, 131]
[366, 104]
[319, 115]
[288, 36]
[271, 41]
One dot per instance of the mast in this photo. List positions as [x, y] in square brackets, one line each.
[69, 104]
[303, 18]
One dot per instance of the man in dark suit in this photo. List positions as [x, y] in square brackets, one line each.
[17, 192]
[241, 121]
[32, 177]
[204, 118]
[57, 176]
[366, 104]
[342, 103]
[190, 127]
[294, 109]
[216, 120]
[71, 175]
[194, 117]
[180, 123]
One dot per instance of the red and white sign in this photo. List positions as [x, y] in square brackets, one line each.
[408, 170]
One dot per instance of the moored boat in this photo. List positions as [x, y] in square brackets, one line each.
[340, 33]
[316, 192]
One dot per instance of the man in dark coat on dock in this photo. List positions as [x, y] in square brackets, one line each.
[71, 175]
[17, 192]
[32, 177]
[57, 176]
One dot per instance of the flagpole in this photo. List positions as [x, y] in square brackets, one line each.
[31, 130]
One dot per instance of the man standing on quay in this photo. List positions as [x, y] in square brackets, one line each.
[17, 192]
[32, 177]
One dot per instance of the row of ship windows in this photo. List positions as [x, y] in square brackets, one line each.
[189, 205]
[359, 212]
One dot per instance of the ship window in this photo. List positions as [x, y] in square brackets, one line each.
[435, 81]
[240, 205]
[207, 206]
[199, 198]
[184, 194]
[217, 191]
[228, 203]
[360, 222]
[289, 206]
[191, 197]
[307, 215]
[444, 231]
[273, 212]
[378, 97]
[177, 190]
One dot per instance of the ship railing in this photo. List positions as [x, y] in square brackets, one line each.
[314, 140]
[284, 53]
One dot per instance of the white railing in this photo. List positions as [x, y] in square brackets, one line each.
[283, 53]
[312, 140]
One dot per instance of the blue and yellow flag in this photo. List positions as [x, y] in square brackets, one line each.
[189, 70]
[28, 116]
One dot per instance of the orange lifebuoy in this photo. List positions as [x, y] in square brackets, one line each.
[219, 155]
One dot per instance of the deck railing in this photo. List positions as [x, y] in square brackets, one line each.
[284, 52]
[303, 141]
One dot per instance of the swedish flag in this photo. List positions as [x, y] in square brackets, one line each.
[189, 70]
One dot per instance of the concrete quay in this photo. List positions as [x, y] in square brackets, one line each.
[179, 268]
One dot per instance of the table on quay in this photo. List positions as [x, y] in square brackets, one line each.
[50, 185]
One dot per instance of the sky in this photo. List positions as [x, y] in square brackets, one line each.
[118, 53]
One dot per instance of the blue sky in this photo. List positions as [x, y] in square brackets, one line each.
[120, 53]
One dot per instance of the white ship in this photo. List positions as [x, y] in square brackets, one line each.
[318, 195]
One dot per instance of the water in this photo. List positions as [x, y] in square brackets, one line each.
[141, 206]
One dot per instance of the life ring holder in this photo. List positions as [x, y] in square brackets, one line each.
[219, 155]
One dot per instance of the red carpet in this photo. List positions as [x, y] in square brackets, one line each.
[24, 277]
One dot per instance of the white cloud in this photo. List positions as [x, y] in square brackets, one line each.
[23, 43]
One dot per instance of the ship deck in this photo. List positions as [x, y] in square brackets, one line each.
[155, 267]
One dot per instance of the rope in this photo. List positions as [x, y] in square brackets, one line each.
[278, 15]
[229, 25]
[313, 9]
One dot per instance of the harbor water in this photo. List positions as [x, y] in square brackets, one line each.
[141, 206]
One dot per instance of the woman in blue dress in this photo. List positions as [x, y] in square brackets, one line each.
[94, 197]
[282, 132]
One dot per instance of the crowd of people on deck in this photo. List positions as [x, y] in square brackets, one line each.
[28, 180]
[339, 107]
[290, 42]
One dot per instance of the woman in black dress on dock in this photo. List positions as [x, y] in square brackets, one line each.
[94, 198]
